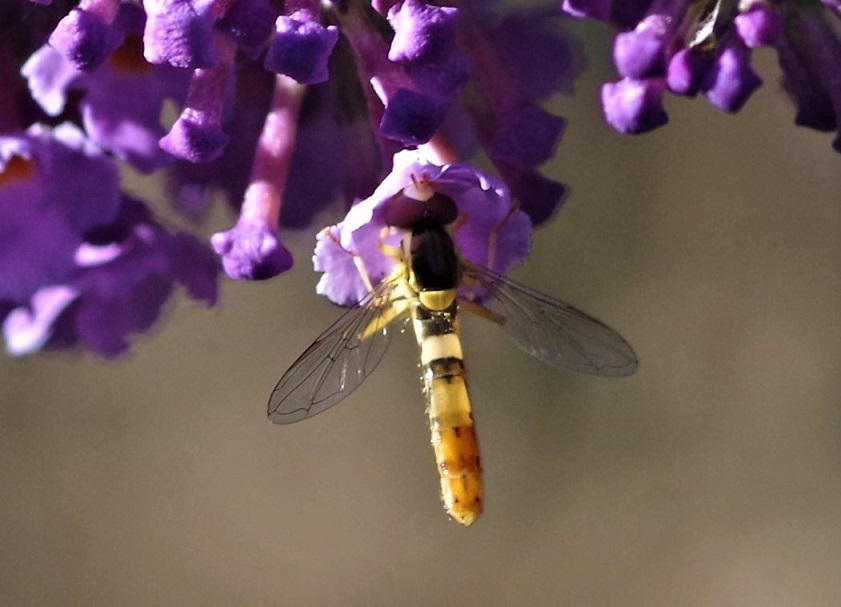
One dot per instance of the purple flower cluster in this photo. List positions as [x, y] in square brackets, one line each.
[80, 261]
[689, 47]
[286, 107]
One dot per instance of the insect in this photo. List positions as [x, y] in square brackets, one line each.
[424, 287]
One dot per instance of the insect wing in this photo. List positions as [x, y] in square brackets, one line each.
[336, 363]
[554, 331]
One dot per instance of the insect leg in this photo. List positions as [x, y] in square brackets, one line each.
[388, 250]
[480, 310]
[357, 260]
[397, 308]
[496, 230]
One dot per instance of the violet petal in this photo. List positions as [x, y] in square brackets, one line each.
[634, 106]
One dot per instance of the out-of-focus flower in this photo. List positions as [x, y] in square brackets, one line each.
[704, 46]
[810, 57]
[80, 262]
[121, 100]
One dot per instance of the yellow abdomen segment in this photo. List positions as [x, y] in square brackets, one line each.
[454, 438]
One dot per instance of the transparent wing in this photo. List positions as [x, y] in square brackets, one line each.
[551, 330]
[336, 363]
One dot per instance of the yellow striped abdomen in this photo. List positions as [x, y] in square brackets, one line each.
[450, 416]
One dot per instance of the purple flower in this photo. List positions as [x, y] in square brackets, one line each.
[287, 108]
[80, 263]
[526, 135]
[301, 47]
[634, 106]
[760, 25]
[249, 24]
[180, 32]
[282, 122]
[418, 80]
[687, 69]
[678, 47]
[121, 101]
[621, 13]
[251, 249]
[86, 36]
[542, 56]
[515, 132]
[730, 80]
[125, 276]
[493, 232]
[27, 329]
[57, 185]
[415, 80]
[810, 57]
[424, 45]
[197, 135]
[538, 196]
[641, 53]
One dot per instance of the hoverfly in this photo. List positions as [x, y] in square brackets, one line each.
[427, 286]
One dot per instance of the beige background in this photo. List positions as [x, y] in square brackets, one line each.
[712, 477]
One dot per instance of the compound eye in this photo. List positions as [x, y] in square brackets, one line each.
[403, 211]
[441, 209]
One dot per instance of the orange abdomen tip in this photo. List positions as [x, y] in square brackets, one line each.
[457, 455]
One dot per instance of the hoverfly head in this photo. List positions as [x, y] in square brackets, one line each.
[419, 204]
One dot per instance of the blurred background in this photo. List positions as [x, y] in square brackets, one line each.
[711, 477]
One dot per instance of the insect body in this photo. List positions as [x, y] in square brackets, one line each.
[424, 287]
[434, 279]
